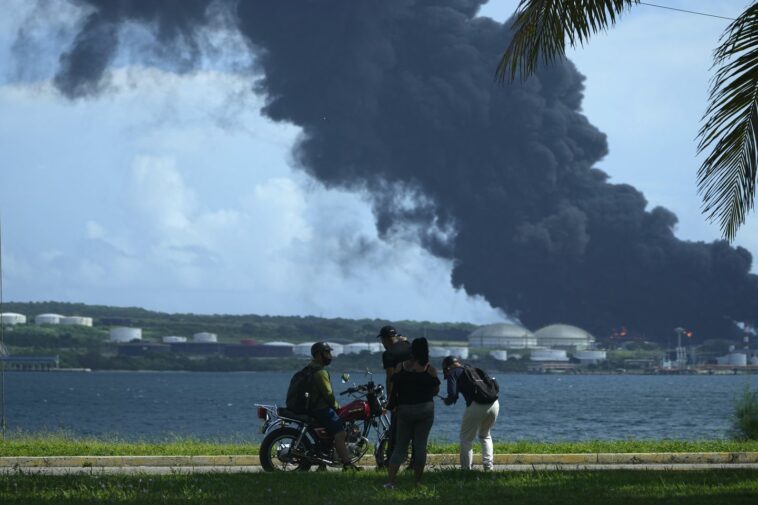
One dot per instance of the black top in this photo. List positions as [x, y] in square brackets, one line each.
[414, 387]
[457, 383]
[396, 354]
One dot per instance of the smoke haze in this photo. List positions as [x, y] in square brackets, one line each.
[397, 98]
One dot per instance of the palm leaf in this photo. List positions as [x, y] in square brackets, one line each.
[726, 179]
[542, 26]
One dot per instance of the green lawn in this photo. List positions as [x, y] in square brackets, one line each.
[62, 445]
[586, 488]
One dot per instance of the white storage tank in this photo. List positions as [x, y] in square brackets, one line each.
[754, 361]
[47, 319]
[173, 339]
[375, 347]
[499, 355]
[501, 336]
[124, 334]
[12, 318]
[564, 336]
[439, 352]
[549, 355]
[280, 343]
[337, 349]
[205, 337]
[461, 352]
[303, 349]
[76, 320]
[356, 348]
[590, 357]
[733, 359]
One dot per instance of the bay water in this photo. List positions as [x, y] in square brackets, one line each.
[159, 406]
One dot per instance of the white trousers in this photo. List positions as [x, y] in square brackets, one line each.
[478, 420]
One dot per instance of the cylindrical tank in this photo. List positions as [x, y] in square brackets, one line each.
[502, 336]
[356, 348]
[499, 355]
[205, 337]
[549, 355]
[173, 339]
[303, 349]
[737, 359]
[590, 357]
[461, 352]
[12, 318]
[124, 334]
[337, 349]
[47, 319]
[375, 347]
[754, 361]
[439, 352]
[76, 320]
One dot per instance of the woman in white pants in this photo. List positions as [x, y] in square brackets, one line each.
[478, 418]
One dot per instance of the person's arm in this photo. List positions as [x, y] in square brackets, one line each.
[433, 373]
[452, 389]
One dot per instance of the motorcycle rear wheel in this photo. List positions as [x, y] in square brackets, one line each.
[274, 452]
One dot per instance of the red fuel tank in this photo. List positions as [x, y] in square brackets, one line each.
[355, 410]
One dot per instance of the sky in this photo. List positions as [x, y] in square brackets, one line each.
[174, 193]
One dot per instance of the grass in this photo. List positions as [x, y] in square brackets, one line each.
[20, 444]
[587, 488]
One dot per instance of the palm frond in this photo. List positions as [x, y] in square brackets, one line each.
[542, 26]
[726, 179]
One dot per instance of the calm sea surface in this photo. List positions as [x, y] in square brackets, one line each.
[219, 406]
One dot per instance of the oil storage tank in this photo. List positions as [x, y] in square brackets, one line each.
[76, 320]
[303, 349]
[548, 355]
[564, 336]
[47, 319]
[173, 339]
[12, 318]
[205, 337]
[501, 336]
[124, 334]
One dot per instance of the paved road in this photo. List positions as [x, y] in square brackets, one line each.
[183, 470]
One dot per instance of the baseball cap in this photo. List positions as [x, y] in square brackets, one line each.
[387, 332]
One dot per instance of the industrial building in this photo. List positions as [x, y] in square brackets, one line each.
[502, 336]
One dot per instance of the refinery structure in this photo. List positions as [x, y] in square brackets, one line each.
[554, 348]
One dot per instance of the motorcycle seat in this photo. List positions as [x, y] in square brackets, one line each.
[289, 414]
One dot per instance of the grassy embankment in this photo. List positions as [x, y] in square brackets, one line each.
[62, 445]
[586, 488]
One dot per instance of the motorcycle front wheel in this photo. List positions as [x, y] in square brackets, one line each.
[381, 454]
[276, 452]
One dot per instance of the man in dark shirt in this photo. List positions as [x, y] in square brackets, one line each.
[397, 349]
[478, 418]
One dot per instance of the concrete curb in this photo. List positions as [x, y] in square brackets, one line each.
[587, 459]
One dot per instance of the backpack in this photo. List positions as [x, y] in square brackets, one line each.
[485, 388]
[300, 386]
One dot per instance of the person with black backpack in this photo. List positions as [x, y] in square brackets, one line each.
[310, 392]
[480, 391]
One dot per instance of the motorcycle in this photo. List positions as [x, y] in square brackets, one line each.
[295, 442]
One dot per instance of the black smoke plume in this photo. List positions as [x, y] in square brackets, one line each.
[398, 97]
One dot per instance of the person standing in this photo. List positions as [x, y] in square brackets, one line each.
[397, 349]
[415, 384]
[324, 406]
[478, 418]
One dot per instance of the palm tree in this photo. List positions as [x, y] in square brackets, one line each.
[727, 177]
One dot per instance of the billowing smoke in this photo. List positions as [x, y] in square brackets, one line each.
[397, 97]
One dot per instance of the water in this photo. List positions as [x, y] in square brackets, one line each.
[219, 406]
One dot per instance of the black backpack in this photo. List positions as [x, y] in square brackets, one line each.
[300, 385]
[485, 388]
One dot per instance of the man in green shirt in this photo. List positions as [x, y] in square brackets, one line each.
[323, 404]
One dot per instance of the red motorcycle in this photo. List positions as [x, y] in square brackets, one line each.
[295, 442]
